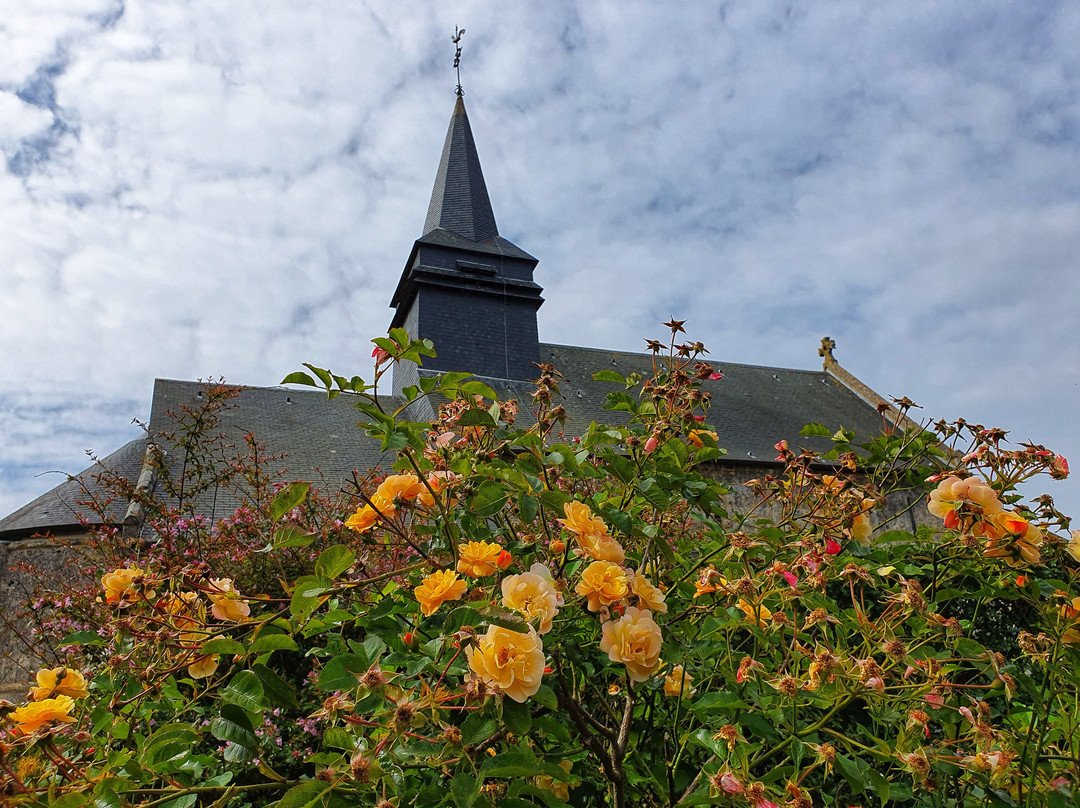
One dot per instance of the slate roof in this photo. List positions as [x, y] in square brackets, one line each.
[459, 200]
[58, 510]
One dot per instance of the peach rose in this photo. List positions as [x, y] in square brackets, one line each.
[603, 583]
[649, 596]
[119, 586]
[634, 640]
[436, 589]
[971, 493]
[580, 519]
[532, 595]
[228, 604]
[37, 714]
[677, 683]
[59, 681]
[512, 661]
[478, 559]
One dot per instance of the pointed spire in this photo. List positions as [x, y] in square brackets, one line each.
[459, 201]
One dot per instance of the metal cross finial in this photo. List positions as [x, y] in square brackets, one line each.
[826, 349]
[456, 39]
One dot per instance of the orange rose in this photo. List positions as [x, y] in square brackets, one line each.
[366, 517]
[634, 640]
[37, 714]
[436, 589]
[59, 681]
[227, 602]
[649, 596]
[601, 547]
[120, 586]
[203, 666]
[677, 683]
[401, 488]
[478, 559]
[512, 661]
[1013, 538]
[603, 583]
[580, 519]
[532, 595]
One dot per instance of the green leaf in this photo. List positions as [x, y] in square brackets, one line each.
[527, 508]
[221, 645]
[291, 536]
[545, 697]
[167, 743]
[299, 377]
[609, 376]
[465, 788]
[475, 388]
[277, 689]
[246, 691]
[510, 764]
[235, 726]
[517, 717]
[854, 771]
[273, 642]
[81, 638]
[489, 499]
[306, 795]
[334, 560]
[288, 498]
[342, 672]
[69, 801]
[338, 738]
[323, 375]
[816, 431]
[307, 595]
[476, 417]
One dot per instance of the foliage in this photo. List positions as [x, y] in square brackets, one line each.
[516, 618]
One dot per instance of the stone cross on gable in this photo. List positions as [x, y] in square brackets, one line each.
[826, 349]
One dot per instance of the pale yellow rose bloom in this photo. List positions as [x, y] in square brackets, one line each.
[59, 682]
[979, 496]
[603, 583]
[512, 661]
[649, 596]
[861, 529]
[759, 614]
[436, 589]
[478, 559]
[677, 683]
[203, 666]
[533, 596]
[227, 602]
[1073, 547]
[634, 640]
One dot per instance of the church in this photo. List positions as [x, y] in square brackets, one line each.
[475, 295]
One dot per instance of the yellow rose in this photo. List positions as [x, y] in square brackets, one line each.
[759, 614]
[478, 558]
[560, 789]
[634, 640]
[695, 437]
[203, 666]
[532, 595]
[119, 586]
[861, 529]
[226, 600]
[512, 661]
[677, 683]
[37, 714]
[436, 589]
[603, 583]
[649, 596]
[59, 681]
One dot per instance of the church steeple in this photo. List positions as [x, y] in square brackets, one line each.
[464, 286]
[459, 200]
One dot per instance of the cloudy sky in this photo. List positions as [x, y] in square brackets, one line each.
[193, 188]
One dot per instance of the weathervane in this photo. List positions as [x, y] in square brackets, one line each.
[456, 39]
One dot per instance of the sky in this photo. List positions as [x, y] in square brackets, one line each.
[193, 189]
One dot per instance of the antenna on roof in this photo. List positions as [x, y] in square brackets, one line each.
[456, 39]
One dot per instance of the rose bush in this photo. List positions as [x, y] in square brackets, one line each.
[515, 618]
